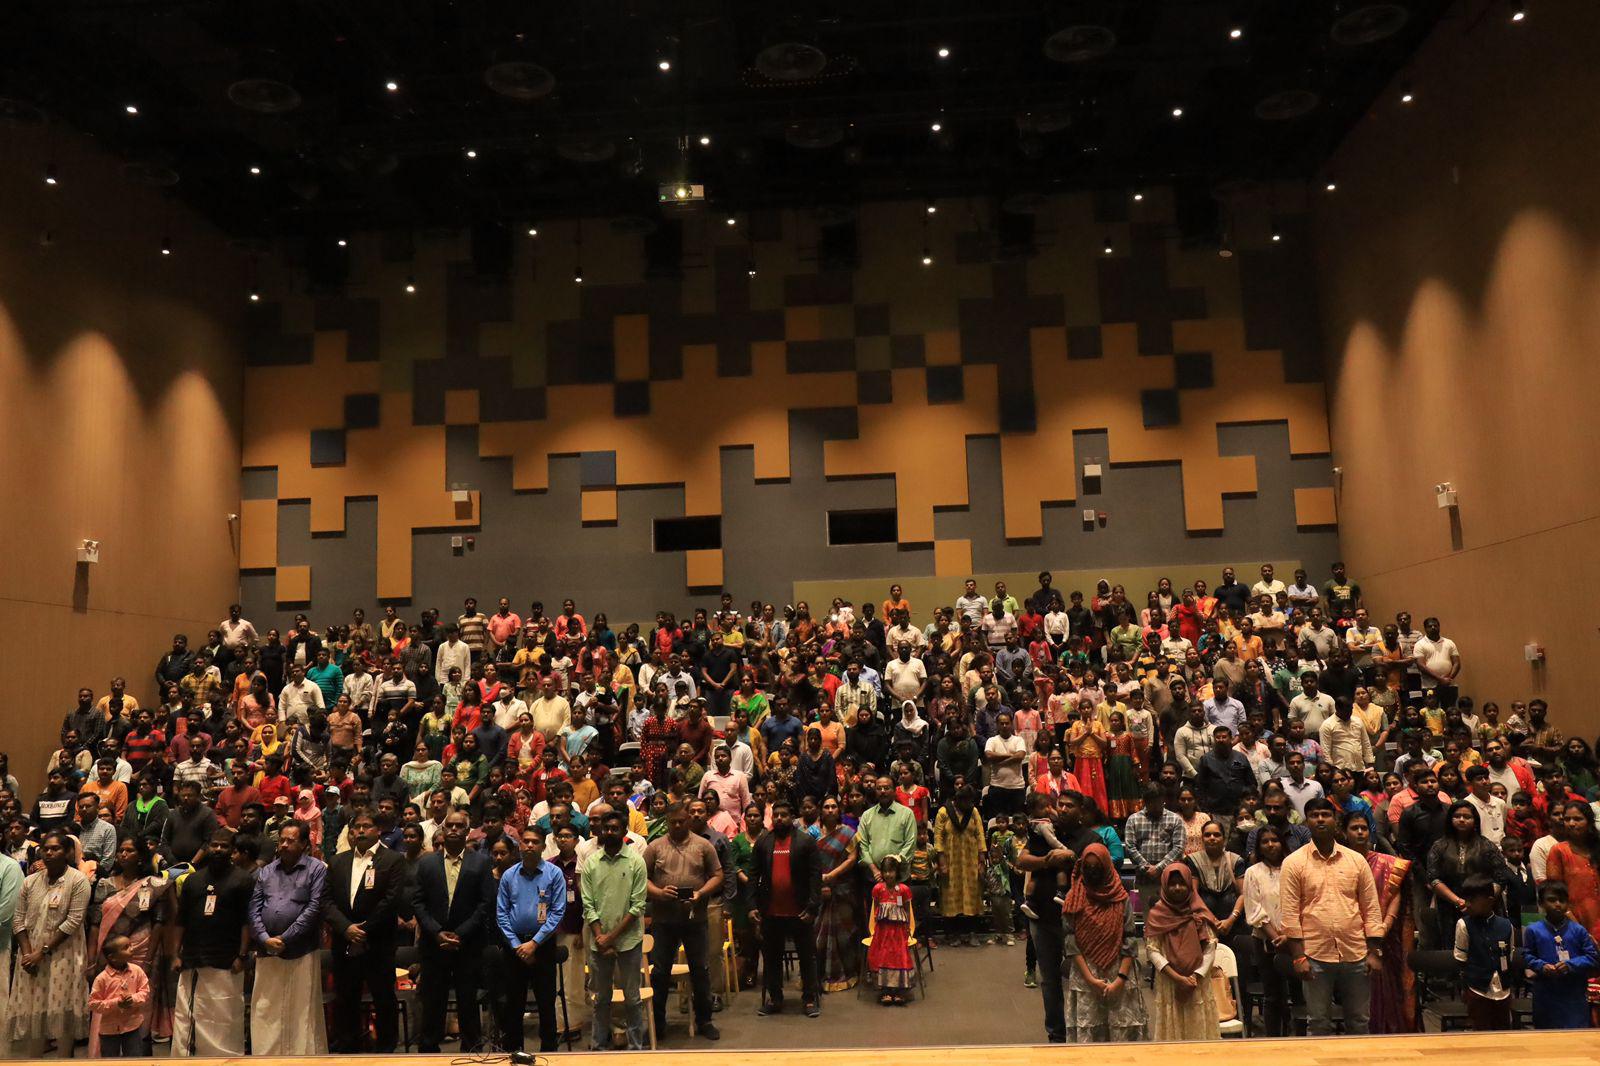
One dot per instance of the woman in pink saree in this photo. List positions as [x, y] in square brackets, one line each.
[134, 902]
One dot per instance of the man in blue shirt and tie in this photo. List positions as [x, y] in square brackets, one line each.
[528, 908]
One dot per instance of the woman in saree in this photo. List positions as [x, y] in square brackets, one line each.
[1391, 985]
[837, 937]
[135, 902]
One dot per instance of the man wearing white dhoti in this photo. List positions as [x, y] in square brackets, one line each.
[285, 923]
[211, 935]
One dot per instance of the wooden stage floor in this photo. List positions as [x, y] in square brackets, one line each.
[1568, 1048]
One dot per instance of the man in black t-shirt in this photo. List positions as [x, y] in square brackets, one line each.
[210, 935]
[1057, 833]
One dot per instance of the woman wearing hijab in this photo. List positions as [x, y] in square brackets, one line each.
[912, 728]
[1104, 1001]
[1180, 934]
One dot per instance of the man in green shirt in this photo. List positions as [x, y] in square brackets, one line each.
[613, 886]
[887, 829]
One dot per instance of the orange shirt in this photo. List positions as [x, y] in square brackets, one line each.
[1330, 902]
[113, 797]
[891, 606]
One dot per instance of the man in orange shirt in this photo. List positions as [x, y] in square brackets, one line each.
[113, 794]
[1330, 913]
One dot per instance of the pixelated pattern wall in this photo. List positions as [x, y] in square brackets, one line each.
[649, 379]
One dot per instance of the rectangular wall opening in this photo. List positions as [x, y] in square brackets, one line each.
[688, 534]
[863, 527]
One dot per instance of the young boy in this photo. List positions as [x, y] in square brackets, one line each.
[997, 867]
[1560, 956]
[120, 994]
[1483, 947]
[1522, 897]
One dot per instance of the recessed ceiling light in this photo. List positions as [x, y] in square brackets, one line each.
[1276, 236]
[166, 247]
[255, 297]
[577, 276]
[1518, 13]
[933, 208]
[1177, 112]
[533, 231]
[255, 170]
[343, 243]
[411, 285]
[1330, 186]
[664, 65]
[392, 86]
[732, 221]
[132, 109]
[750, 270]
[1235, 33]
[944, 53]
[937, 126]
[1224, 251]
[1108, 248]
[1406, 97]
[705, 139]
[1138, 197]
[50, 174]
[927, 260]
[472, 153]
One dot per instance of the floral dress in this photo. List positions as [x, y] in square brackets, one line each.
[52, 1002]
[889, 957]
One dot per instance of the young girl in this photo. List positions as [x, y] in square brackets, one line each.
[308, 814]
[891, 925]
[1124, 794]
[1088, 743]
[1181, 936]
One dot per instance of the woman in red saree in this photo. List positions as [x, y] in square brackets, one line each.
[1391, 985]
[134, 902]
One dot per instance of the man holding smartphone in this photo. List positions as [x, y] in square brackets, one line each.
[684, 874]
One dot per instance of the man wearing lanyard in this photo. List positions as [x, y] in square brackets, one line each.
[529, 906]
[451, 897]
[208, 944]
[365, 886]
[286, 923]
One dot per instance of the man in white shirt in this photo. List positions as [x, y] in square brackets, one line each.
[904, 633]
[1344, 740]
[453, 652]
[299, 697]
[1491, 808]
[1268, 585]
[361, 687]
[1438, 661]
[1004, 754]
[552, 714]
[237, 631]
[905, 676]
[508, 709]
[1311, 707]
[970, 604]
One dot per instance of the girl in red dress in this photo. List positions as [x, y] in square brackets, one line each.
[891, 925]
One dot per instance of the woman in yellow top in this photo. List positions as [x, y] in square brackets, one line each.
[1089, 743]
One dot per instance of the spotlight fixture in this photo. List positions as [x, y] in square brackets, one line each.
[577, 276]
[1407, 96]
[1177, 112]
[1224, 251]
[937, 126]
[933, 208]
[732, 221]
[1235, 33]
[1331, 186]
[750, 268]
[132, 109]
[343, 243]
[411, 284]
[472, 153]
[1519, 12]
[392, 86]
[1108, 248]
[533, 231]
[255, 297]
[1276, 236]
[664, 65]
[50, 175]
[255, 171]
[705, 139]
[927, 258]
[166, 246]
[944, 53]
[1138, 197]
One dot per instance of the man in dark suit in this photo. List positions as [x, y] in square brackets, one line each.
[366, 886]
[453, 897]
[788, 895]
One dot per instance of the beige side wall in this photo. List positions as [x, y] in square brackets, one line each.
[119, 388]
[1460, 269]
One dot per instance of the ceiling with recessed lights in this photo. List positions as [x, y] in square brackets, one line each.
[294, 116]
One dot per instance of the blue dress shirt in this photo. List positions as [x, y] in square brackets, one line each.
[522, 899]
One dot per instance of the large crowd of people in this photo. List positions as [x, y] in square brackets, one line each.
[1150, 796]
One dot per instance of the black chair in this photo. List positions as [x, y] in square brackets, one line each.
[1439, 989]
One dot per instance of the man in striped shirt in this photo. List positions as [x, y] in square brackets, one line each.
[474, 629]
